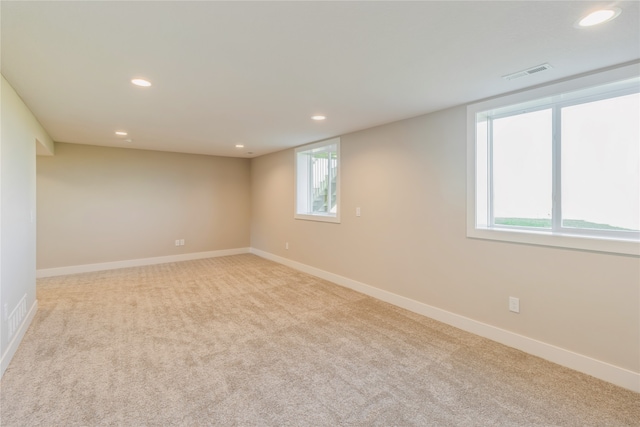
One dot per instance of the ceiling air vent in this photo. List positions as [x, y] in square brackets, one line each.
[527, 72]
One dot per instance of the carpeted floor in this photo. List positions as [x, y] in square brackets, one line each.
[242, 341]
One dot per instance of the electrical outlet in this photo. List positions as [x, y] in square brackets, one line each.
[286, 246]
[177, 242]
[514, 304]
[358, 211]
[181, 242]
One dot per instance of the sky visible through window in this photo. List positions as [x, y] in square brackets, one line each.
[600, 163]
[522, 166]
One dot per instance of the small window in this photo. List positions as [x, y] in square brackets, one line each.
[560, 166]
[318, 181]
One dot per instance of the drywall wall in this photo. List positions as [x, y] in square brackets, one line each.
[103, 204]
[409, 178]
[20, 130]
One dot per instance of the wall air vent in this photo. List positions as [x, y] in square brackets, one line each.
[527, 72]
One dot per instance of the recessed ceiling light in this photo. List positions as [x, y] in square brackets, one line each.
[239, 146]
[598, 17]
[141, 82]
[121, 133]
[318, 117]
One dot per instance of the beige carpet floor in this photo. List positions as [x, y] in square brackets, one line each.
[242, 341]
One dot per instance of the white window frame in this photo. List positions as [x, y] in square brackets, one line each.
[302, 189]
[557, 93]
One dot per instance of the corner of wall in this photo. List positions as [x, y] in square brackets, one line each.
[22, 134]
[46, 148]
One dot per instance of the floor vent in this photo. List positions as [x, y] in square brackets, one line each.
[527, 72]
[17, 316]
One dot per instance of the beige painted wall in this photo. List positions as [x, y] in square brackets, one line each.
[102, 204]
[409, 180]
[20, 130]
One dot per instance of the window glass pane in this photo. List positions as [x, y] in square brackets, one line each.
[317, 170]
[323, 180]
[601, 164]
[482, 177]
[522, 169]
[302, 182]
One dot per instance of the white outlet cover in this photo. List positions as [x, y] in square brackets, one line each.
[514, 304]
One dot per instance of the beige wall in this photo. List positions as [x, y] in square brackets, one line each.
[409, 180]
[102, 204]
[20, 130]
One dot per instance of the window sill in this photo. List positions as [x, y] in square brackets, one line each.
[548, 238]
[320, 218]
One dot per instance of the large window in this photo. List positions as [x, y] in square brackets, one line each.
[318, 181]
[559, 165]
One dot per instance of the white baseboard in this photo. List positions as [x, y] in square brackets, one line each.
[87, 268]
[17, 338]
[579, 362]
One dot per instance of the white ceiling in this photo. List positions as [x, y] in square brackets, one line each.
[253, 73]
